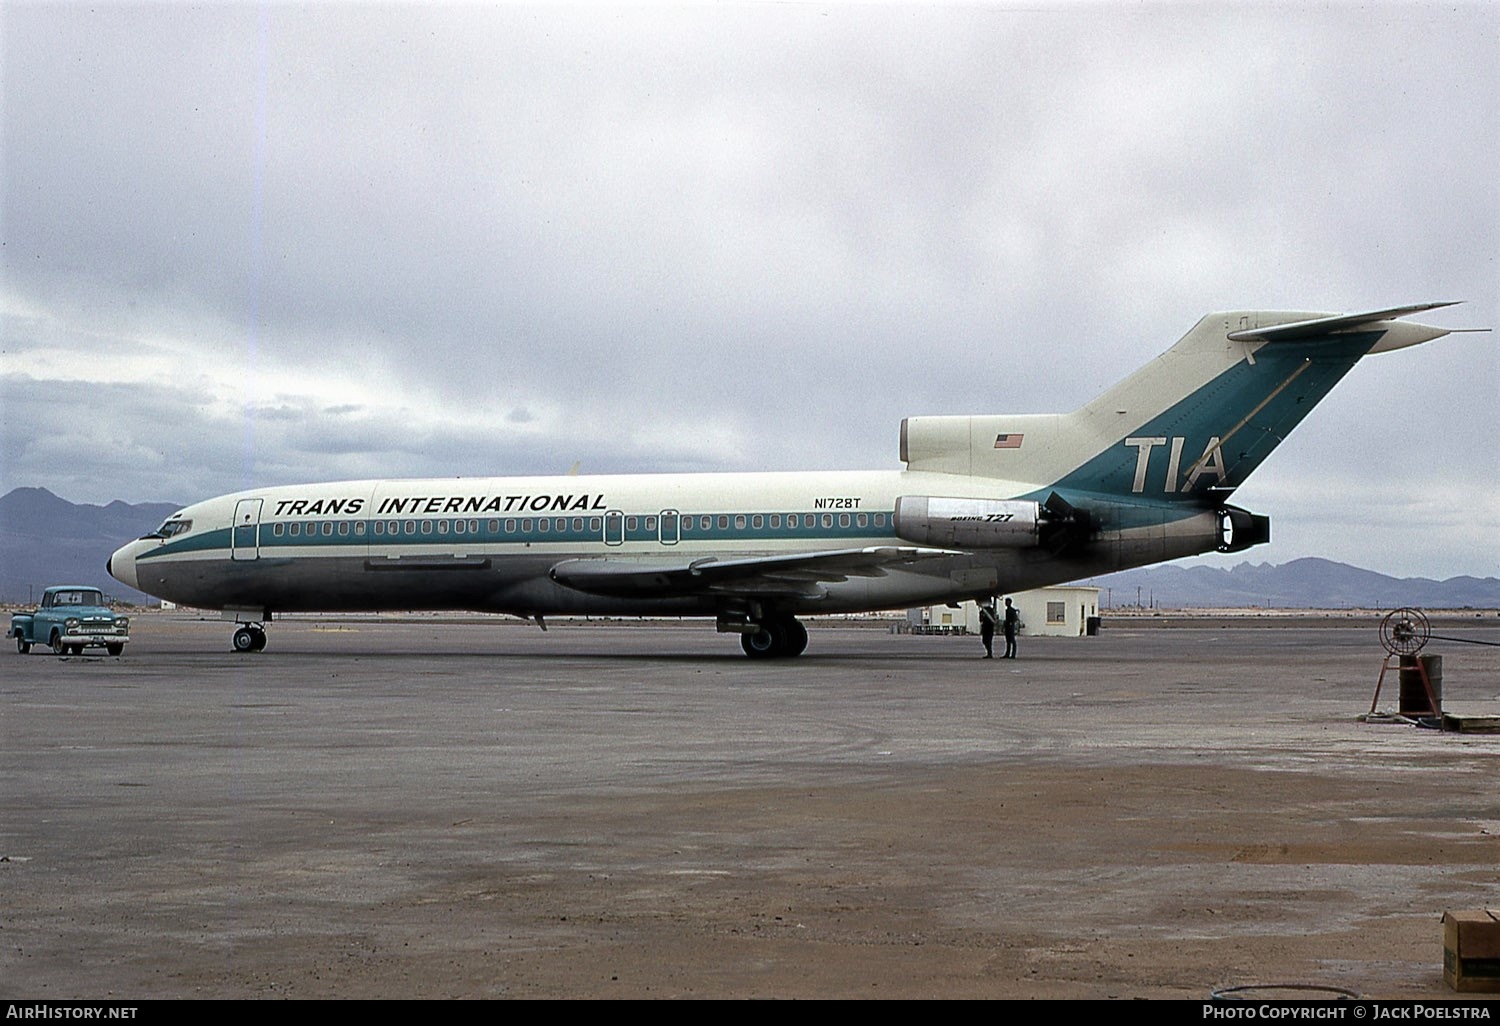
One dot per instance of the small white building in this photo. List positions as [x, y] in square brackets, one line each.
[1062, 611]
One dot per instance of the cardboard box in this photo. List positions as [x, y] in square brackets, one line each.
[1471, 950]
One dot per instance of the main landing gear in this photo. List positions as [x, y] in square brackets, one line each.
[775, 637]
[251, 637]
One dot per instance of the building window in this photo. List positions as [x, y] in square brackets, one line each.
[1057, 612]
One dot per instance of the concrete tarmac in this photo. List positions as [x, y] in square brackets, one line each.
[427, 807]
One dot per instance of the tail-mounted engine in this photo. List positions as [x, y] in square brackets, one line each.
[991, 523]
[1239, 529]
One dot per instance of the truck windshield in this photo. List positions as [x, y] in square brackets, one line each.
[77, 597]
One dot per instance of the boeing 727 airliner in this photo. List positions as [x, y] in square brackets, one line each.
[985, 504]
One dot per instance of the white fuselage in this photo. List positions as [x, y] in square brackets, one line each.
[489, 543]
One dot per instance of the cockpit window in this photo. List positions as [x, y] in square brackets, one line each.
[171, 528]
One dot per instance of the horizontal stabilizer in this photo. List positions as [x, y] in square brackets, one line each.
[1330, 325]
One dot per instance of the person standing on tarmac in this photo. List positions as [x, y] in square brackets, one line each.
[1012, 622]
[988, 619]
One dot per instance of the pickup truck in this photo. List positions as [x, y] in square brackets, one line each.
[72, 617]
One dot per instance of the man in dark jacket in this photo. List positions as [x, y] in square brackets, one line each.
[988, 618]
[1012, 622]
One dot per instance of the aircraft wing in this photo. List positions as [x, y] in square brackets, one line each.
[799, 573]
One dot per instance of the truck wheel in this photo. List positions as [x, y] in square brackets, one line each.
[114, 648]
[22, 645]
[56, 643]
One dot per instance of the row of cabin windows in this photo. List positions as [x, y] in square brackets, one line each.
[575, 525]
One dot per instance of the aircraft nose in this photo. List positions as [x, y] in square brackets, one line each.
[121, 565]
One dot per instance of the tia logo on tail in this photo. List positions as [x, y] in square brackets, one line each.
[1210, 463]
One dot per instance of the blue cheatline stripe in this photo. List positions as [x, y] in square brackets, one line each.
[810, 527]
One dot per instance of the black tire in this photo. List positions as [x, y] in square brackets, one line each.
[796, 637]
[22, 645]
[244, 640]
[260, 638]
[58, 648]
[766, 643]
[114, 648]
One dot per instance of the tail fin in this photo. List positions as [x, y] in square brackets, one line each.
[1188, 427]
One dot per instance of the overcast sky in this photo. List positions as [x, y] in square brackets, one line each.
[254, 245]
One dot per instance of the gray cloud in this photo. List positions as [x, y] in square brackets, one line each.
[282, 243]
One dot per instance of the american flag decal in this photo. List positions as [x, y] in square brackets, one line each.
[1008, 441]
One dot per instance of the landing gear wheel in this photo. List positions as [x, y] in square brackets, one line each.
[779, 637]
[766, 643]
[796, 636]
[249, 639]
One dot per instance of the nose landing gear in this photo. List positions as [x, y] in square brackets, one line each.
[249, 638]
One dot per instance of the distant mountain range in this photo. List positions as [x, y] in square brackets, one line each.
[47, 540]
[1301, 584]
